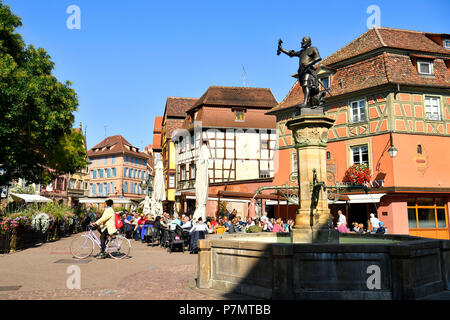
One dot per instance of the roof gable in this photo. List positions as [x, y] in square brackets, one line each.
[381, 37]
[177, 106]
[237, 96]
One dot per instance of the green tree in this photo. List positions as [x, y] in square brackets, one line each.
[36, 111]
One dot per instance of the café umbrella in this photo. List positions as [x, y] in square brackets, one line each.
[159, 192]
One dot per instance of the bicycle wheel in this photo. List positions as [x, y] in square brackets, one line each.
[82, 246]
[118, 247]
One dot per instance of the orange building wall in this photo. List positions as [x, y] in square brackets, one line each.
[380, 162]
[396, 220]
[431, 169]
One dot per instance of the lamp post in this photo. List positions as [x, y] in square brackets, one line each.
[392, 150]
[147, 184]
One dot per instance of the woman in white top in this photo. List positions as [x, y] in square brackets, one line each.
[200, 226]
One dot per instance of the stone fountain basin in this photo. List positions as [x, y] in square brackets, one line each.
[269, 266]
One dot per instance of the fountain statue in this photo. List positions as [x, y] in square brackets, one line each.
[314, 261]
[310, 132]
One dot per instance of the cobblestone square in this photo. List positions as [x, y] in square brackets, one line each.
[150, 273]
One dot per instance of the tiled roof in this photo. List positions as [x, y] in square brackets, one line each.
[157, 127]
[237, 96]
[380, 37]
[171, 125]
[383, 68]
[214, 117]
[294, 97]
[156, 141]
[114, 145]
[177, 107]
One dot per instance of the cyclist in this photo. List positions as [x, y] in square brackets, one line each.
[107, 226]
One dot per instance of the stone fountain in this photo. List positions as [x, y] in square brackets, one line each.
[315, 261]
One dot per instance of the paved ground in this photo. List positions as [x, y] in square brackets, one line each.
[149, 273]
[41, 273]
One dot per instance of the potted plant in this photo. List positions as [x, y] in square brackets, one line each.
[20, 227]
[357, 174]
[5, 237]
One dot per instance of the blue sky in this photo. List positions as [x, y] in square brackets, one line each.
[129, 56]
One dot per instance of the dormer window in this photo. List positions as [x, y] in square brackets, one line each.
[446, 43]
[239, 114]
[325, 82]
[425, 67]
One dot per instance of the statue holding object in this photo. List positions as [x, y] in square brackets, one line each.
[307, 77]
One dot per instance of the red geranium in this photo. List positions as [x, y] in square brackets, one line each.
[358, 174]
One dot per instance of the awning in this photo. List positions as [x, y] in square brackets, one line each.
[221, 199]
[102, 200]
[360, 198]
[275, 203]
[30, 198]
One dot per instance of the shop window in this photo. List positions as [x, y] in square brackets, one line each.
[427, 213]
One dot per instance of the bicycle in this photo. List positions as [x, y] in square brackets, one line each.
[117, 247]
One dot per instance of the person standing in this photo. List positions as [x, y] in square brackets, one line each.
[107, 226]
[342, 223]
[374, 222]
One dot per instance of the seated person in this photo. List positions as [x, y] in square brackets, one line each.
[200, 226]
[127, 226]
[175, 221]
[137, 228]
[187, 225]
[148, 220]
[278, 226]
[256, 227]
[220, 228]
[234, 226]
[381, 229]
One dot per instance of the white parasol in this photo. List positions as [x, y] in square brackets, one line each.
[159, 190]
[201, 183]
[147, 205]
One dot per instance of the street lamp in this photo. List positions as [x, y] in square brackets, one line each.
[147, 184]
[392, 150]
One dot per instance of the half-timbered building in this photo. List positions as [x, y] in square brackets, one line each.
[242, 142]
[390, 98]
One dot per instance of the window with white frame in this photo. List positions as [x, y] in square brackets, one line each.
[183, 173]
[358, 110]
[264, 174]
[446, 43]
[432, 108]
[360, 154]
[425, 67]
[192, 169]
[192, 141]
[294, 163]
[172, 180]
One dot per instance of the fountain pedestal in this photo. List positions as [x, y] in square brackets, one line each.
[313, 219]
